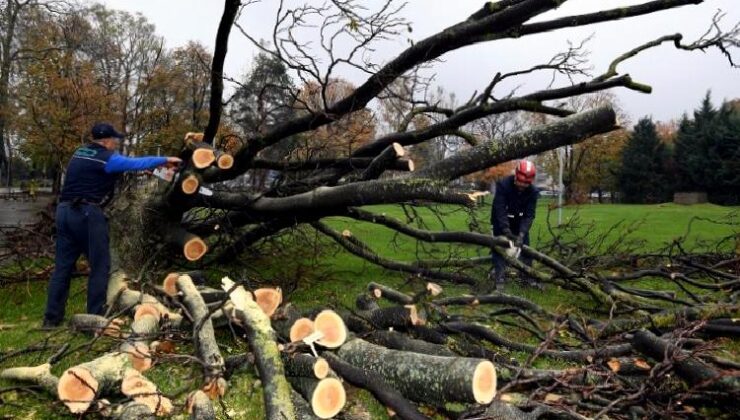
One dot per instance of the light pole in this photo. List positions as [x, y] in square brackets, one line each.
[560, 185]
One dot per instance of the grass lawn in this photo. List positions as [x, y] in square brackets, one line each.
[341, 277]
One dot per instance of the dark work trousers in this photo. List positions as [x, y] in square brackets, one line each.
[81, 229]
[499, 263]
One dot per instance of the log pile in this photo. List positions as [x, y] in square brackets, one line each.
[414, 352]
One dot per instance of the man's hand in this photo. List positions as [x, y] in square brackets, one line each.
[519, 241]
[173, 162]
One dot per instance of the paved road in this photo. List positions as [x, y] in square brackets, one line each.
[15, 212]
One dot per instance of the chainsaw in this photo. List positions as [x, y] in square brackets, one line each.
[171, 174]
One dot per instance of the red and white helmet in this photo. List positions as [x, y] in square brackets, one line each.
[525, 172]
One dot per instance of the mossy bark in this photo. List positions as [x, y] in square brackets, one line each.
[203, 333]
[430, 379]
[262, 340]
[38, 375]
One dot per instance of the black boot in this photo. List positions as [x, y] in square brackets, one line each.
[50, 325]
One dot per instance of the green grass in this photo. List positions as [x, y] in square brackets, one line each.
[337, 278]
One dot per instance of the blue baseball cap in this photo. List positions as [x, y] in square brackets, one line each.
[104, 131]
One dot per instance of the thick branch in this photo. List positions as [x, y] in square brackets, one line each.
[560, 133]
[217, 68]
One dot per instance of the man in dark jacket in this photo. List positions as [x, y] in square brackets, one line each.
[82, 228]
[512, 214]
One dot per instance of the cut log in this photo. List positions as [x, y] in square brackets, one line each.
[224, 160]
[147, 310]
[79, 385]
[399, 341]
[190, 183]
[393, 317]
[38, 375]
[301, 328]
[383, 391]
[168, 284]
[326, 396]
[433, 380]
[203, 157]
[301, 364]
[199, 406]
[96, 324]
[687, 367]
[192, 246]
[262, 341]
[139, 354]
[381, 291]
[121, 298]
[203, 334]
[203, 154]
[332, 328]
[628, 366]
[268, 299]
[142, 390]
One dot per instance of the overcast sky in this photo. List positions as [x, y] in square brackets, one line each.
[679, 78]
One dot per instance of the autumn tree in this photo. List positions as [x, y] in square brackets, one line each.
[176, 99]
[126, 53]
[16, 19]
[339, 139]
[58, 98]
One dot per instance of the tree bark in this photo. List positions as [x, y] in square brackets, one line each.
[433, 380]
[687, 367]
[383, 391]
[203, 334]
[38, 375]
[262, 341]
[80, 385]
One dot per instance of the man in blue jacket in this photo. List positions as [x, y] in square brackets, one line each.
[82, 228]
[512, 214]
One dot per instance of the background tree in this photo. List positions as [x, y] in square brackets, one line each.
[642, 177]
[126, 52]
[175, 100]
[58, 97]
[588, 166]
[706, 151]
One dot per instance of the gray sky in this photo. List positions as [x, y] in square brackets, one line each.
[679, 79]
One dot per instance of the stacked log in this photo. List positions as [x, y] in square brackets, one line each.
[425, 378]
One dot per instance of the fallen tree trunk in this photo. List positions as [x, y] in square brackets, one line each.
[262, 341]
[430, 379]
[384, 392]
[80, 385]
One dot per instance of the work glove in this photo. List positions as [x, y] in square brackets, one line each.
[508, 234]
[519, 240]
